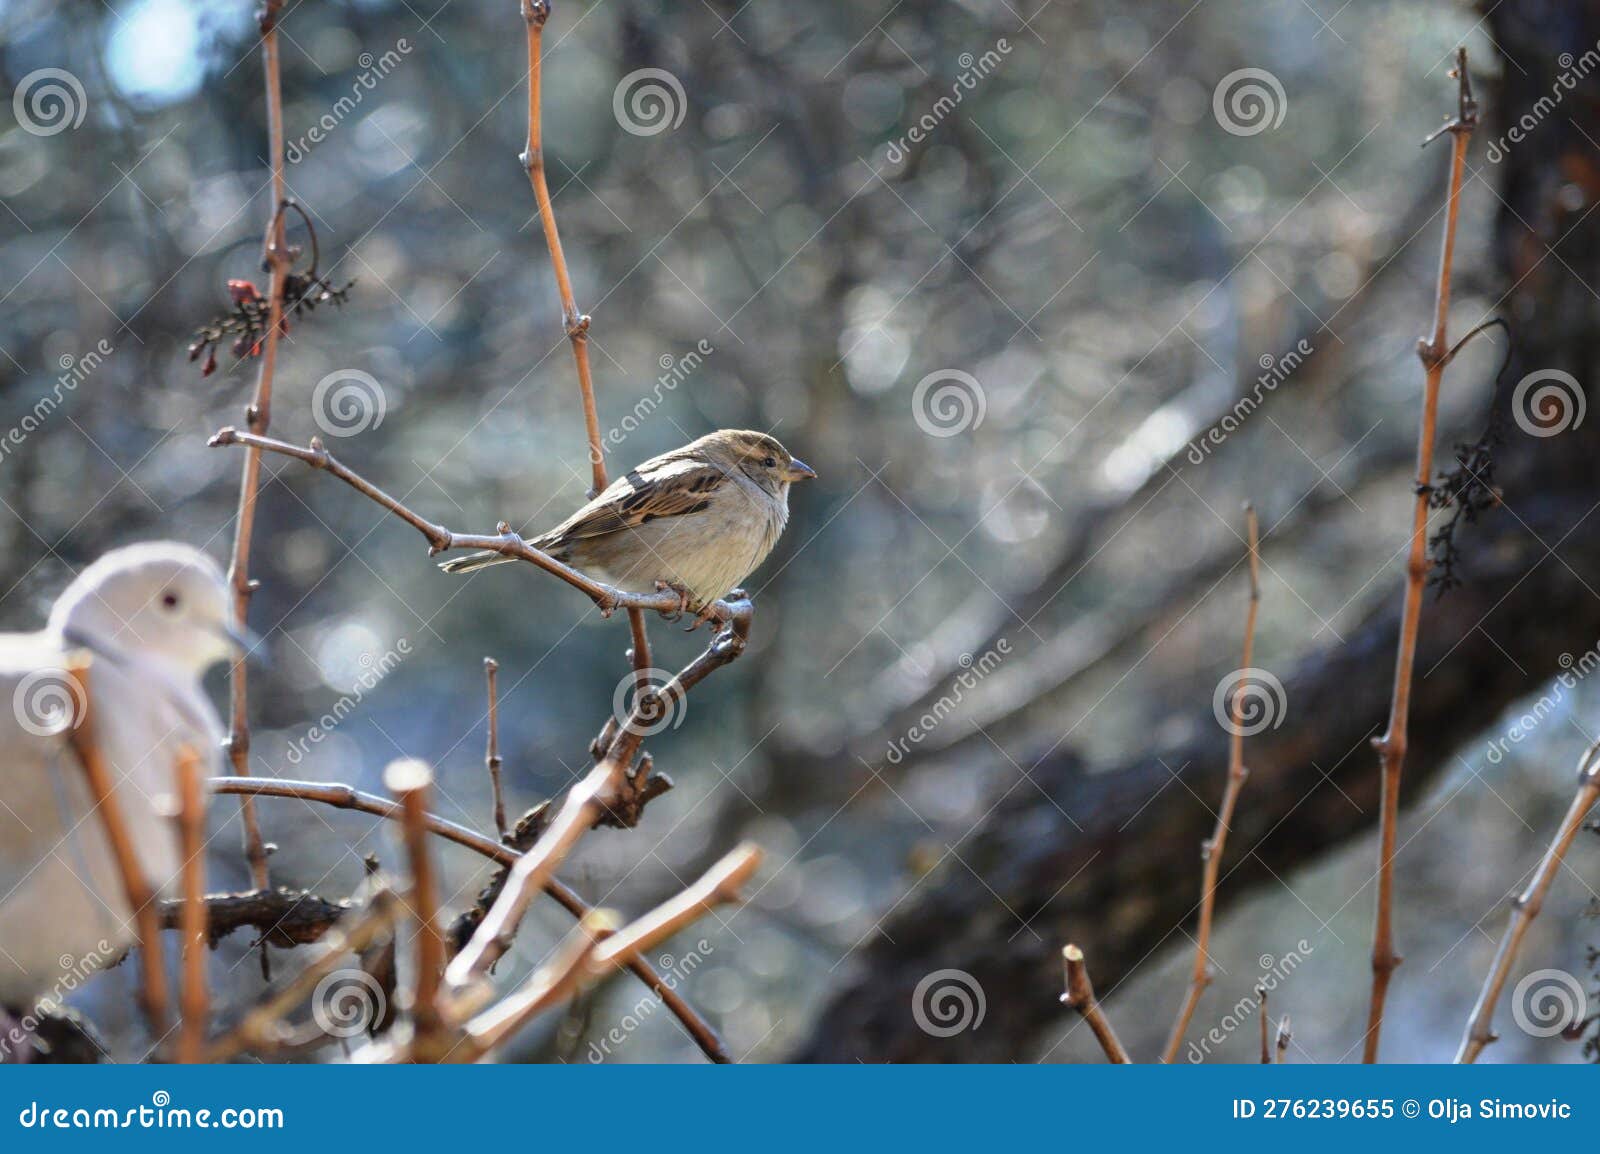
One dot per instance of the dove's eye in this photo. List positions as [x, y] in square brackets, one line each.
[169, 600]
[770, 462]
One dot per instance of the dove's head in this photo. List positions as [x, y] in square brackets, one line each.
[161, 600]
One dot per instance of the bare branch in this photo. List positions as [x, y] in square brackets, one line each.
[264, 1029]
[491, 753]
[408, 780]
[278, 260]
[1480, 1026]
[1211, 851]
[192, 997]
[1079, 996]
[344, 797]
[136, 887]
[1261, 1016]
[598, 947]
[1391, 747]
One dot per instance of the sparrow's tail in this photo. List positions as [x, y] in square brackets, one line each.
[474, 561]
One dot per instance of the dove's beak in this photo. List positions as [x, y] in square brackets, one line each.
[245, 642]
[799, 471]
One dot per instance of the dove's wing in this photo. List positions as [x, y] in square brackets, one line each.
[61, 910]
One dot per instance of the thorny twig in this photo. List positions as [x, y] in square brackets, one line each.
[1079, 996]
[1480, 1026]
[1211, 851]
[1391, 747]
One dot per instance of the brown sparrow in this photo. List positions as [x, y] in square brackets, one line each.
[698, 519]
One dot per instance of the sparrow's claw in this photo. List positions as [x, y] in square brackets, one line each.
[685, 601]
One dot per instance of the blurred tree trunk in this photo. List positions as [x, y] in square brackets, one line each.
[1120, 875]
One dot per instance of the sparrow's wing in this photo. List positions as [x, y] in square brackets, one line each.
[670, 486]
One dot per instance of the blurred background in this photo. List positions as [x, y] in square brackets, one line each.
[994, 269]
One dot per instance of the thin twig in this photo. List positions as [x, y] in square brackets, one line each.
[344, 797]
[1391, 747]
[278, 260]
[1261, 1015]
[1211, 851]
[491, 753]
[1480, 1026]
[136, 887]
[409, 779]
[192, 997]
[534, 15]
[1079, 996]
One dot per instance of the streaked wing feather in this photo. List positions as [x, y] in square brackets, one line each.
[665, 487]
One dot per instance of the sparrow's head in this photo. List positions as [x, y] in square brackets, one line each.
[758, 455]
[160, 599]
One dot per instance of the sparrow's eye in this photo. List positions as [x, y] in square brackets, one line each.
[771, 462]
[169, 600]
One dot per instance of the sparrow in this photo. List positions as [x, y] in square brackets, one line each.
[151, 619]
[697, 520]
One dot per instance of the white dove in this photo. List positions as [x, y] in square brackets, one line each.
[152, 618]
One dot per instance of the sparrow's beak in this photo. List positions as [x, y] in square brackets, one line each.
[799, 471]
